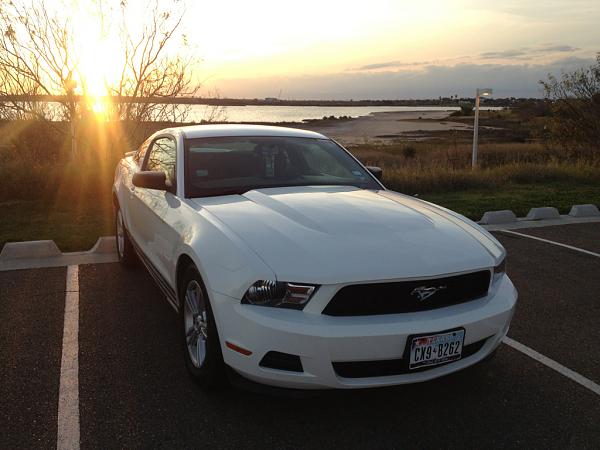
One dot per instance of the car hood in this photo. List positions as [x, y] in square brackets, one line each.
[333, 234]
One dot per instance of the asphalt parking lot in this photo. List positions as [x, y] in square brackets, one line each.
[134, 391]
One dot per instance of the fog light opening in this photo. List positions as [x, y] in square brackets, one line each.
[282, 361]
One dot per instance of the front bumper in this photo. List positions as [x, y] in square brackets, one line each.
[320, 340]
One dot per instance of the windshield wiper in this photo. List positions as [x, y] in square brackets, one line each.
[220, 192]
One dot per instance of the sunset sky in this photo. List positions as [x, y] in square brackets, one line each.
[387, 48]
[390, 48]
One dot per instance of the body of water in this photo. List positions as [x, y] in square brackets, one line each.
[281, 113]
[272, 113]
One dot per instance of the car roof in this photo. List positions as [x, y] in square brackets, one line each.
[200, 131]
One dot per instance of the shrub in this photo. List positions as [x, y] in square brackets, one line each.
[575, 97]
[409, 152]
[466, 109]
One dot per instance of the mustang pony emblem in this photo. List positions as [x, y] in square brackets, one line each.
[424, 292]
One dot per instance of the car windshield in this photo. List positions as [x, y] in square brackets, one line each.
[234, 165]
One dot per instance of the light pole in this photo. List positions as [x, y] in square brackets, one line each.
[480, 92]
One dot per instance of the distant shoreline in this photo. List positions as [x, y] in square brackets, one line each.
[439, 102]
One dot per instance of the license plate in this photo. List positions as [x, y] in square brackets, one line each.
[433, 349]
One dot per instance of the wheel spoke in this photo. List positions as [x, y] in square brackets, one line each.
[192, 336]
[200, 350]
[204, 332]
[192, 305]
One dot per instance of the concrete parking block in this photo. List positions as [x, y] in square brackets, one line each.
[105, 244]
[38, 254]
[587, 210]
[544, 212]
[496, 217]
[29, 249]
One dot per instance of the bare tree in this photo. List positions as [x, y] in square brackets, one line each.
[39, 60]
[36, 59]
[575, 107]
[214, 112]
[153, 75]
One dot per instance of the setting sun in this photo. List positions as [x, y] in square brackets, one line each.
[99, 56]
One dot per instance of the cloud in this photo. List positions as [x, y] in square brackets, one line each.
[550, 48]
[431, 81]
[518, 54]
[390, 65]
[506, 54]
[529, 52]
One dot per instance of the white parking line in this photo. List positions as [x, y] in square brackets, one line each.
[68, 395]
[570, 247]
[565, 371]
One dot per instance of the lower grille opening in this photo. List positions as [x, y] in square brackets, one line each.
[390, 367]
[281, 361]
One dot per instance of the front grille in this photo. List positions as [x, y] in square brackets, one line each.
[402, 297]
[391, 367]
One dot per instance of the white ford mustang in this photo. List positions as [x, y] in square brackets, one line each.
[291, 265]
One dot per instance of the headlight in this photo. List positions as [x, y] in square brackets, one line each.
[278, 294]
[500, 270]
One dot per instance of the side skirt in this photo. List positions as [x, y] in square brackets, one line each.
[158, 278]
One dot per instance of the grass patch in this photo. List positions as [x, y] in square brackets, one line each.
[72, 228]
[517, 197]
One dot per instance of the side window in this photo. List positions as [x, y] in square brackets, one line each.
[139, 155]
[162, 157]
[319, 160]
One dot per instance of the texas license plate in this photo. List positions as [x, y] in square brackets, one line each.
[433, 349]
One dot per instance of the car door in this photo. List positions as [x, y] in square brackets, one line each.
[127, 195]
[154, 211]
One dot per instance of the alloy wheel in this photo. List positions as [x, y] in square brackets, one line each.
[195, 323]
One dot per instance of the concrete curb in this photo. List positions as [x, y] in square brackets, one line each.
[39, 254]
[584, 211]
[544, 212]
[497, 217]
[539, 217]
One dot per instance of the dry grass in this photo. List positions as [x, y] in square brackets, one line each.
[441, 167]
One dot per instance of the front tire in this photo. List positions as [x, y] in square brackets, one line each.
[125, 250]
[199, 335]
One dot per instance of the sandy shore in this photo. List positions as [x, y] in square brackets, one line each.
[387, 125]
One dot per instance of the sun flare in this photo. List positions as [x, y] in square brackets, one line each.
[99, 59]
[99, 106]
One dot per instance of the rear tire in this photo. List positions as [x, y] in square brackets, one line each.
[125, 250]
[199, 335]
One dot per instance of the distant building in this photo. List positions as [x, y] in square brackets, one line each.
[271, 99]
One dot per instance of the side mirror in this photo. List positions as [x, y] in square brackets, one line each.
[150, 179]
[377, 172]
